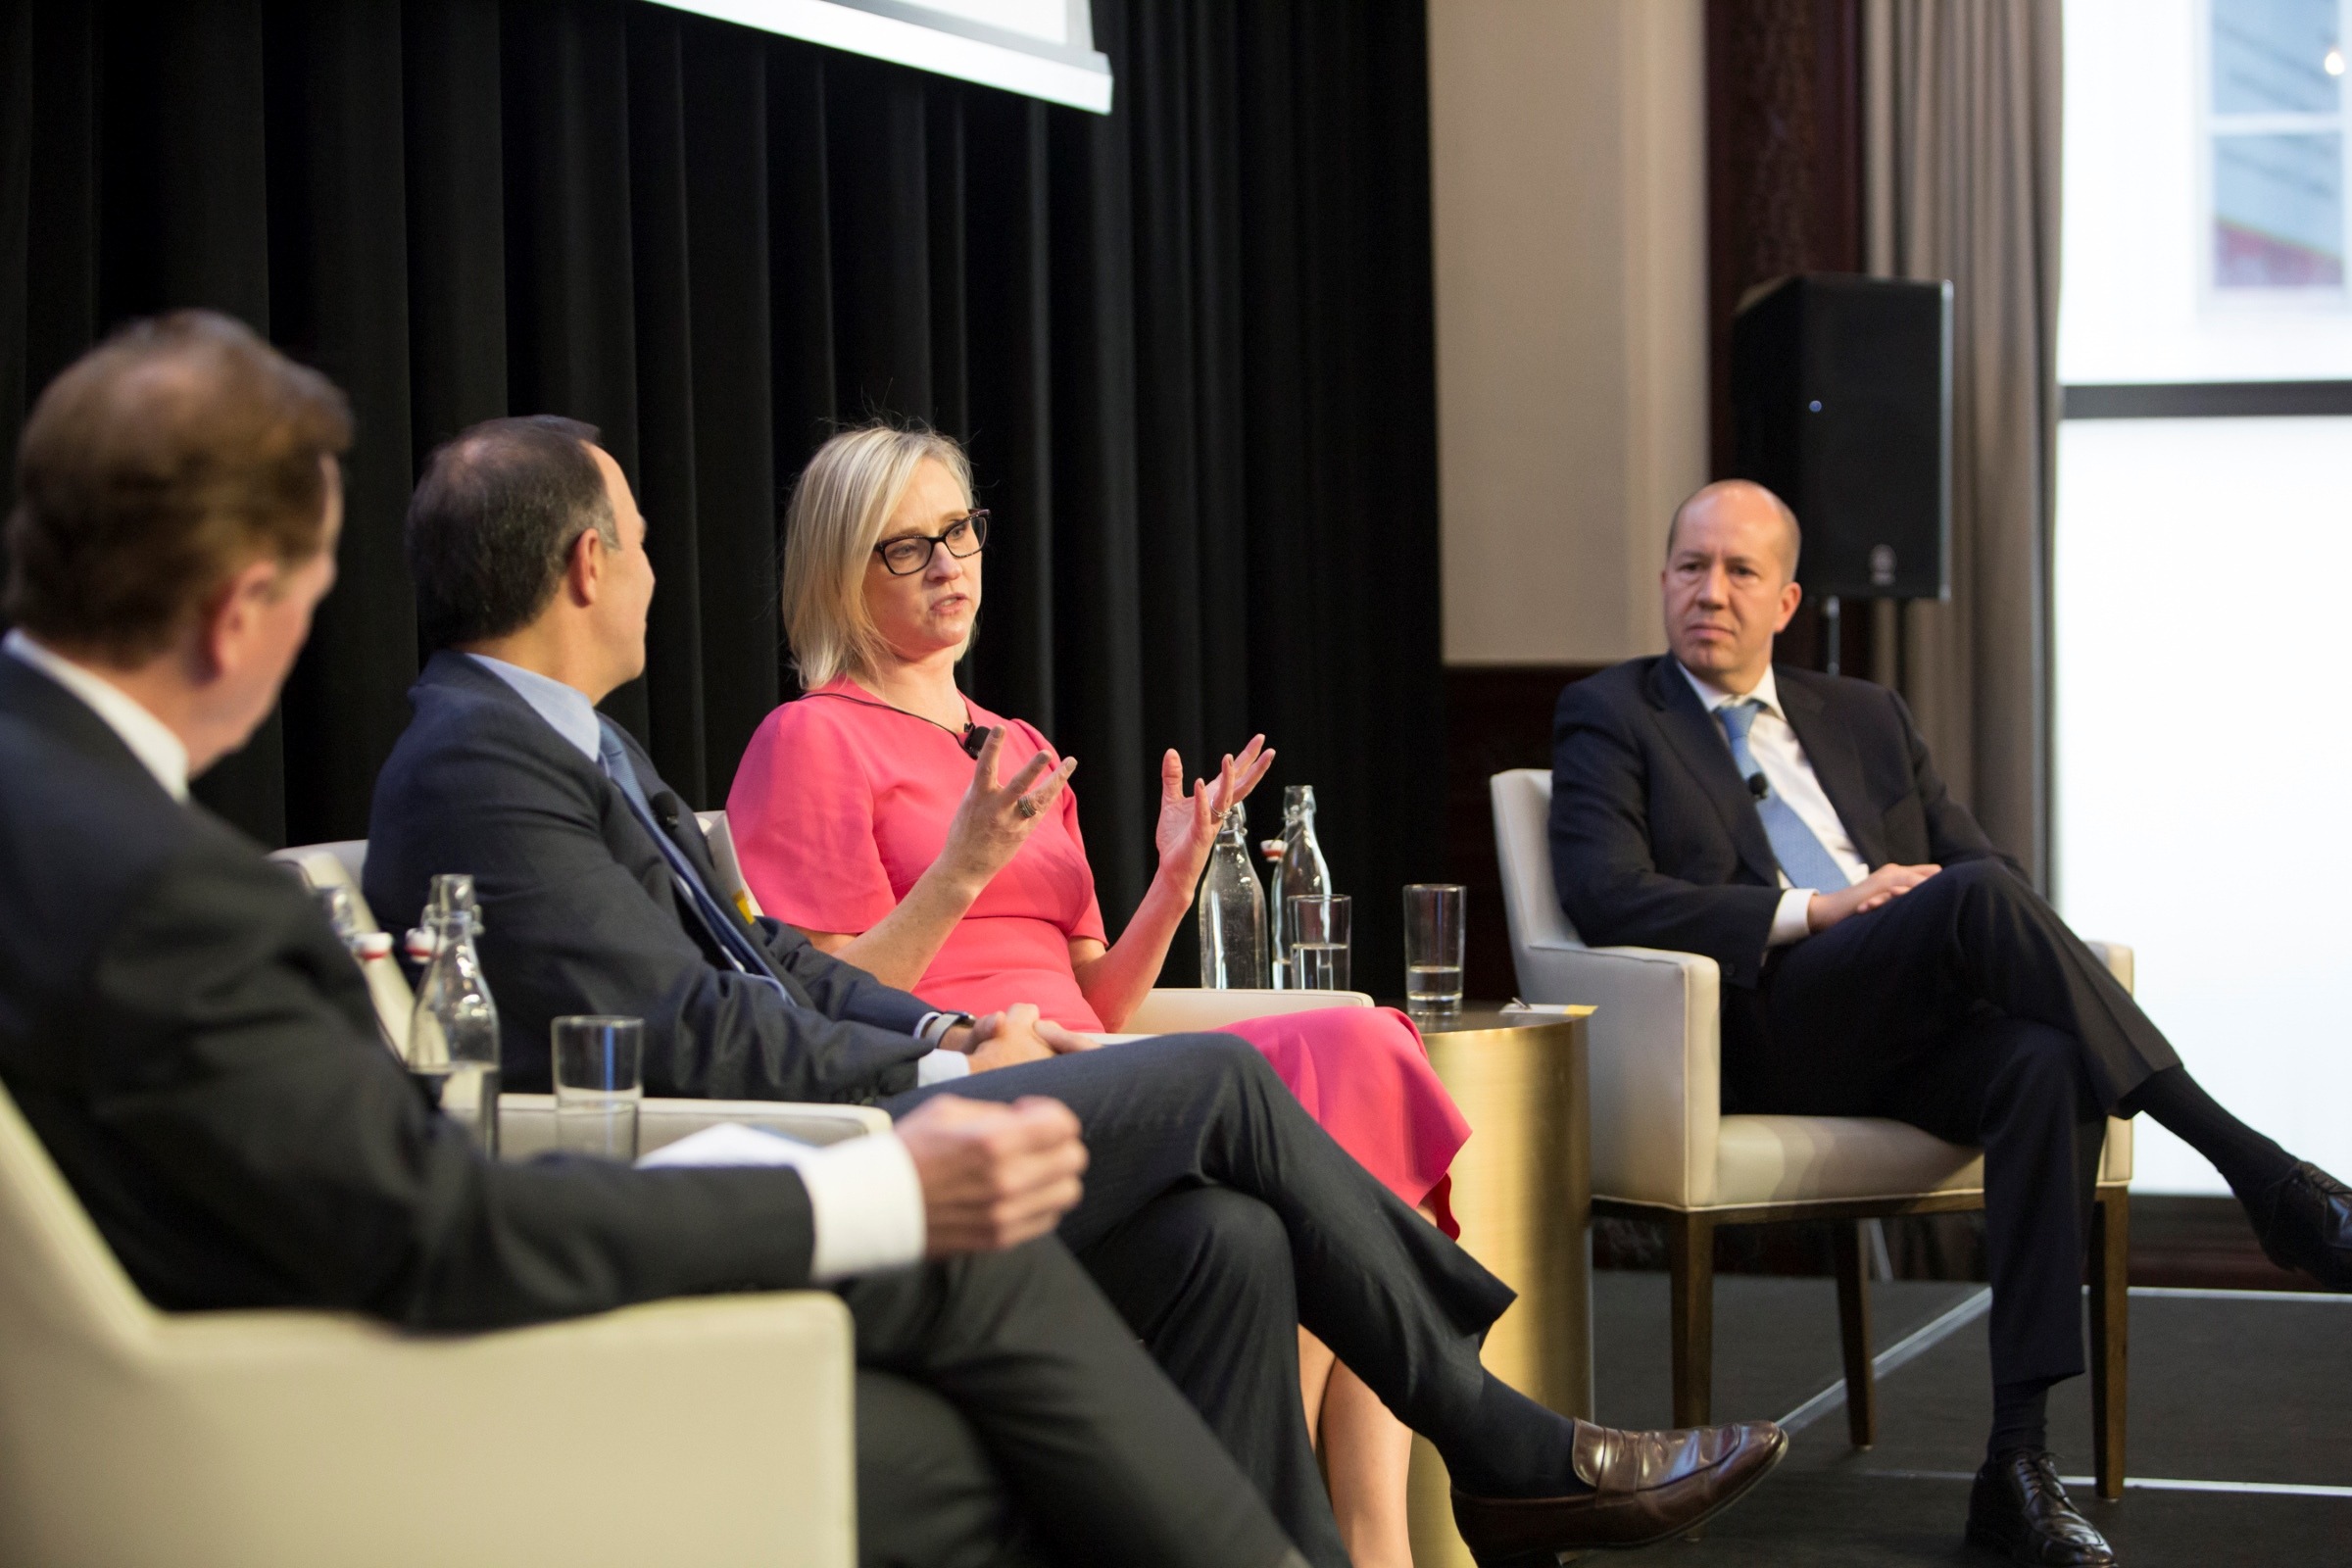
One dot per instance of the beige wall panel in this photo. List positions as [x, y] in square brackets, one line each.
[1567, 155]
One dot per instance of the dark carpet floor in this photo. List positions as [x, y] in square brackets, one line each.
[2244, 1388]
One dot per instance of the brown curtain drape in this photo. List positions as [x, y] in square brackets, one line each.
[1961, 150]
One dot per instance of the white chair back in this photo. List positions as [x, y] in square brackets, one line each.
[1530, 903]
[341, 865]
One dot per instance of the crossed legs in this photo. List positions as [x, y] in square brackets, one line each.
[1402, 1305]
[1967, 1007]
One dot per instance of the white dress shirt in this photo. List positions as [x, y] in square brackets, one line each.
[1776, 752]
[150, 740]
[866, 1201]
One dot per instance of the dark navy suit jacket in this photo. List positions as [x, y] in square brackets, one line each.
[199, 1054]
[1655, 841]
[581, 913]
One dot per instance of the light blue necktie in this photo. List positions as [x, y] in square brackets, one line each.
[731, 941]
[1793, 844]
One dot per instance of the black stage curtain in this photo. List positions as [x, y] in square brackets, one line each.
[1190, 345]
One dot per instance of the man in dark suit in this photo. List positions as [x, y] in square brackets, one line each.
[597, 894]
[198, 1053]
[1882, 958]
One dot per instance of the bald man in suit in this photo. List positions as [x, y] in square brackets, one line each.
[1881, 957]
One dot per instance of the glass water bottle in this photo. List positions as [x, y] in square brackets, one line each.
[452, 1035]
[1300, 871]
[1232, 912]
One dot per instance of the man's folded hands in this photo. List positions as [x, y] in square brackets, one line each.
[994, 1176]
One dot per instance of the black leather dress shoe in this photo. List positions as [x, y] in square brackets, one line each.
[2310, 1226]
[2019, 1509]
[1647, 1485]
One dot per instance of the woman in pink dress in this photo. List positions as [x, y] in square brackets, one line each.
[863, 816]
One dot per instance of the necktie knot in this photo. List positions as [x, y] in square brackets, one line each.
[1738, 717]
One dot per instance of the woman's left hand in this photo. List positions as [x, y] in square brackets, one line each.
[1188, 820]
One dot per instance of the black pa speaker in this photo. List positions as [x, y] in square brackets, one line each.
[1841, 404]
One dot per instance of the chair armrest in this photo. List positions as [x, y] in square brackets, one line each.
[1189, 1009]
[1656, 1063]
[280, 1439]
[527, 1123]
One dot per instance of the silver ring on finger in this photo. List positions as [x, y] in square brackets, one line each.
[1027, 807]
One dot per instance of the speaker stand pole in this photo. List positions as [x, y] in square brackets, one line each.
[1831, 615]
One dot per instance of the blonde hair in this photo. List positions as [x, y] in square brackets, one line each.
[840, 506]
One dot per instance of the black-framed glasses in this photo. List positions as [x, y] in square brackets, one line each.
[910, 553]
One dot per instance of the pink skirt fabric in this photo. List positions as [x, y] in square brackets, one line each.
[1364, 1075]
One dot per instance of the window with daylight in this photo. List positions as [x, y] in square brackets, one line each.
[2205, 340]
[2275, 111]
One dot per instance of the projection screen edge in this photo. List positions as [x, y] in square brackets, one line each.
[945, 45]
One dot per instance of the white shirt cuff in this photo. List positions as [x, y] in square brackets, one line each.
[1790, 923]
[866, 1203]
[940, 1066]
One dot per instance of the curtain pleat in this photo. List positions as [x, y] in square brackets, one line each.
[341, 301]
[1189, 346]
[1962, 166]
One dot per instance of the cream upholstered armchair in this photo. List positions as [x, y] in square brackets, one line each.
[285, 1439]
[1664, 1151]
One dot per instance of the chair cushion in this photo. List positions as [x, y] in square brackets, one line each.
[1768, 1160]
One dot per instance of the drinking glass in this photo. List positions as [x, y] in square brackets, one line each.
[1433, 947]
[600, 1078]
[1319, 942]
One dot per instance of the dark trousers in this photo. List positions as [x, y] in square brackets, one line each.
[1967, 1007]
[1006, 1417]
[1402, 1305]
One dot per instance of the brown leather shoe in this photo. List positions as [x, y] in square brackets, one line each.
[1647, 1485]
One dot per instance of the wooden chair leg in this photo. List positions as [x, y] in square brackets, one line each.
[2110, 1335]
[1853, 1333]
[1690, 1277]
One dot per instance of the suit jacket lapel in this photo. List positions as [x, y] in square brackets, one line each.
[455, 669]
[1698, 741]
[1829, 748]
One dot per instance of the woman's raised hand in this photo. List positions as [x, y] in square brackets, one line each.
[1188, 821]
[995, 820]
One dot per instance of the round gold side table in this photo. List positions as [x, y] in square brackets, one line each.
[1523, 1193]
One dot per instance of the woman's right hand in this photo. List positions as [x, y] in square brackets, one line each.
[994, 820]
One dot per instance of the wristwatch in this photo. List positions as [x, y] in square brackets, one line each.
[935, 1027]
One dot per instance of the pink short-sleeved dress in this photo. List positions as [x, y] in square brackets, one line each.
[842, 802]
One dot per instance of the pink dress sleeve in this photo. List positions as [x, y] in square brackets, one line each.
[801, 811]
